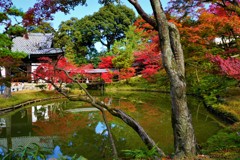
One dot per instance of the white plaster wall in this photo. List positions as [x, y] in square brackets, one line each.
[33, 69]
[3, 71]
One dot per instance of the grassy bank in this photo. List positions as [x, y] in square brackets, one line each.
[137, 84]
[229, 106]
[226, 143]
[23, 96]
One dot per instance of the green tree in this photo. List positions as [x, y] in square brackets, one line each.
[70, 38]
[111, 21]
[124, 49]
[44, 27]
[105, 26]
[10, 60]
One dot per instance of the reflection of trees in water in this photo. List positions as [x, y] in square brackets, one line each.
[154, 120]
[91, 140]
[59, 125]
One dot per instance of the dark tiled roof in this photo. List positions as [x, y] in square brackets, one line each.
[36, 43]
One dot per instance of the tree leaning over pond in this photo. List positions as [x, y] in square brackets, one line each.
[62, 71]
[173, 61]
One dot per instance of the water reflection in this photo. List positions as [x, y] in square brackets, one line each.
[78, 128]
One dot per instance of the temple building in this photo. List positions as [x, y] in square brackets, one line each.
[36, 45]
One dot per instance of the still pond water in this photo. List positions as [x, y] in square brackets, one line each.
[78, 128]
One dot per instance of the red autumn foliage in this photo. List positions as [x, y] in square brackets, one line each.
[149, 72]
[229, 67]
[44, 10]
[106, 62]
[86, 66]
[149, 59]
[47, 70]
[212, 23]
[126, 73]
[145, 28]
[107, 77]
[8, 61]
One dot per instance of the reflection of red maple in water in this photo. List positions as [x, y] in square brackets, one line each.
[151, 114]
[126, 106]
[58, 125]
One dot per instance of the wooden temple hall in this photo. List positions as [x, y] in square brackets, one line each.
[36, 45]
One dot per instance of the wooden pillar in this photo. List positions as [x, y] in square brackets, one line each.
[29, 70]
[102, 87]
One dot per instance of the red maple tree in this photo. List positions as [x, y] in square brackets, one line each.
[149, 59]
[229, 66]
[49, 70]
[126, 73]
[106, 62]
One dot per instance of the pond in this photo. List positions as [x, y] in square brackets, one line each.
[79, 129]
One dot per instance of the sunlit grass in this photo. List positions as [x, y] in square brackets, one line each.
[23, 96]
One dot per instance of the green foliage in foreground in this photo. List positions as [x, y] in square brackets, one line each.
[141, 153]
[32, 151]
[225, 144]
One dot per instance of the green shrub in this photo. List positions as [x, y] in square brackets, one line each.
[34, 152]
[141, 153]
[225, 144]
[31, 151]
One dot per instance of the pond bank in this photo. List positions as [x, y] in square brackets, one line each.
[228, 111]
[228, 108]
[23, 98]
[12, 108]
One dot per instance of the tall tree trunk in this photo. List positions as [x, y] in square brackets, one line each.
[173, 61]
[7, 92]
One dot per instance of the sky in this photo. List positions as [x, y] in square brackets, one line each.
[82, 11]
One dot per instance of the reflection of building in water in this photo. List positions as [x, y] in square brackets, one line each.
[16, 129]
[2, 123]
[41, 112]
